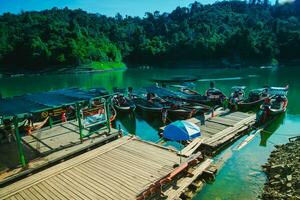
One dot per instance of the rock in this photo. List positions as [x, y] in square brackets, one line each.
[277, 176]
[283, 172]
[280, 166]
[275, 182]
[289, 177]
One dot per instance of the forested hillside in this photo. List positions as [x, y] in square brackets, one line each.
[232, 30]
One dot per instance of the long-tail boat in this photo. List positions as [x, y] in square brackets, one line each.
[215, 96]
[195, 101]
[239, 101]
[122, 103]
[153, 104]
[274, 105]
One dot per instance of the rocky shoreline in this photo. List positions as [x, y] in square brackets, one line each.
[283, 172]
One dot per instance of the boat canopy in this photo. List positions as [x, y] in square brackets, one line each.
[176, 79]
[38, 102]
[278, 90]
[179, 86]
[189, 84]
[258, 90]
[238, 88]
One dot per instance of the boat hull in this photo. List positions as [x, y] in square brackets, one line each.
[127, 107]
[269, 112]
[274, 112]
[124, 109]
[247, 106]
[149, 109]
[145, 106]
[179, 114]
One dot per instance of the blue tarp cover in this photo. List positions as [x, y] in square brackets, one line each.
[30, 103]
[181, 130]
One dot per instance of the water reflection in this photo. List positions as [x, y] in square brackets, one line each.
[28, 84]
[155, 121]
[269, 130]
[128, 122]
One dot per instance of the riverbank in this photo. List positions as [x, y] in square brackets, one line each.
[283, 172]
[93, 67]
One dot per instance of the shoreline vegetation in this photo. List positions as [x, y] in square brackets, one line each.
[232, 32]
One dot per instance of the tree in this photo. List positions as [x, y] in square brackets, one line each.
[234, 30]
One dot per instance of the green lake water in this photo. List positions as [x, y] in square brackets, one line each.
[240, 176]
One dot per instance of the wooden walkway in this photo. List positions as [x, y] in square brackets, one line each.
[185, 182]
[121, 169]
[60, 146]
[129, 168]
[218, 131]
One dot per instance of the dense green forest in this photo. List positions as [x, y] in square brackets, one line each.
[237, 31]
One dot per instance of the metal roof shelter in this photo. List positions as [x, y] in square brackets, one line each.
[17, 107]
[36, 102]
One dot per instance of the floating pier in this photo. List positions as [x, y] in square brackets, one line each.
[127, 168]
[218, 131]
[50, 127]
[54, 145]
[60, 137]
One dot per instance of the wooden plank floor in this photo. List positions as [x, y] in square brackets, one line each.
[49, 140]
[118, 170]
[182, 184]
[220, 129]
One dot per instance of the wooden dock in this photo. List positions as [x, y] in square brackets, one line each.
[122, 169]
[218, 131]
[127, 168]
[53, 145]
[59, 137]
[185, 182]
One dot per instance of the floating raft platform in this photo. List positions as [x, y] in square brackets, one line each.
[59, 137]
[219, 131]
[54, 144]
[127, 168]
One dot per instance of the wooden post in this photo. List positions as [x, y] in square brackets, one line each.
[19, 142]
[50, 121]
[180, 142]
[79, 121]
[212, 112]
[106, 105]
